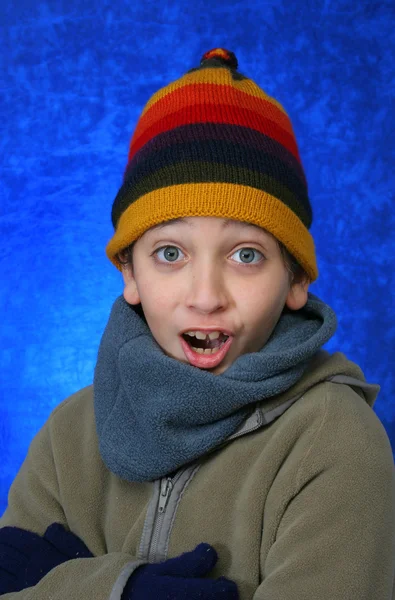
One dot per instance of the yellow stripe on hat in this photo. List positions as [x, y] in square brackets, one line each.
[217, 76]
[232, 201]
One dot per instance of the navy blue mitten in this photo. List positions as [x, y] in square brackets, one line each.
[26, 557]
[180, 578]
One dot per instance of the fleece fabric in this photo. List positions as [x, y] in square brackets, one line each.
[297, 509]
[151, 426]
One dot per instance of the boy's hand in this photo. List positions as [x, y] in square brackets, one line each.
[26, 557]
[180, 578]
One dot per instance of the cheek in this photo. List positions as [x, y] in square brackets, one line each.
[156, 300]
[262, 303]
[156, 287]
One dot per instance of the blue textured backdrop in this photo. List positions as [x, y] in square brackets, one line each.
[74, 78]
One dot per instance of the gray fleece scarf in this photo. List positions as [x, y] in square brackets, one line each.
[155, 413]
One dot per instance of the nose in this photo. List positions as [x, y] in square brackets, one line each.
[206, 290]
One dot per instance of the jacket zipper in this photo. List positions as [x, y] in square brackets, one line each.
[166, 488]
[166, 485]
[165, 491]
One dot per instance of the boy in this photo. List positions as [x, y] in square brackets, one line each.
[220, 453]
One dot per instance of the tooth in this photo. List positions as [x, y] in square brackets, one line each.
[208, 351]
[200, 335]
[214, 335]
[191, 333]
[199, 350]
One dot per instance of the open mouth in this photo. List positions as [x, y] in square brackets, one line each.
[205, 351]
[209, 345]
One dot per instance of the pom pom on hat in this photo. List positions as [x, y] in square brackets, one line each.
[227, 57]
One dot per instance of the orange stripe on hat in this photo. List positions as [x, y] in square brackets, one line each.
[220, 76]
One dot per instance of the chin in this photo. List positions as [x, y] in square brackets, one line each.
[219, 369]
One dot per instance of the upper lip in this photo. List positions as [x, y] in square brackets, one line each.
[208, 330]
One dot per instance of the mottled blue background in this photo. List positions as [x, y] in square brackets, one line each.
[74, 77]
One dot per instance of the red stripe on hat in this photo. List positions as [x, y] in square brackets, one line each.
[209, 93]
[214, 113]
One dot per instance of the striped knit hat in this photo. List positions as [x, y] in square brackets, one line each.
[213, 143]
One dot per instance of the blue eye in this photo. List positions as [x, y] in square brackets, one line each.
[247, 255]
[170, 253]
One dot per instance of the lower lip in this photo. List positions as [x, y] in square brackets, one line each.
[205, 361]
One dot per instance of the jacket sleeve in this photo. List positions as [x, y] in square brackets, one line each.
[34, 502]
[336, 533]
[99, 578]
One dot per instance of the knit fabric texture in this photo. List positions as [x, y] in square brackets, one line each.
[213, 143]
[181, 578]
[26, 557]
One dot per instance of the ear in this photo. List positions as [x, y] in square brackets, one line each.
[297, 295]
[130, 291]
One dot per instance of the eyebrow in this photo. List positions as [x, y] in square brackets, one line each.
[225, 225]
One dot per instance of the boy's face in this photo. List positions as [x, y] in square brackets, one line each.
[208, 274]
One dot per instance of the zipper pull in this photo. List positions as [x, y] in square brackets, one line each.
[165, 491]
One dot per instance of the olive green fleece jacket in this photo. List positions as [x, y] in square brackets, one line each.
[299, 503]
